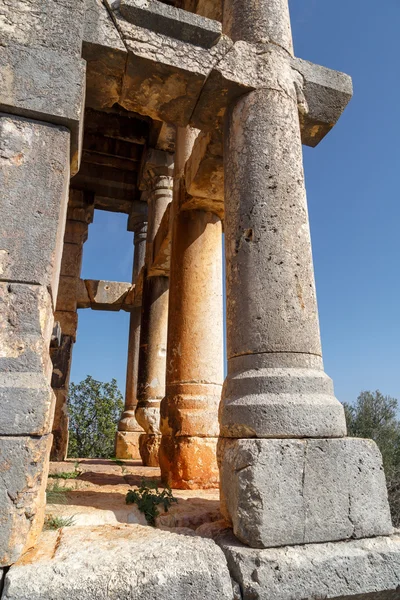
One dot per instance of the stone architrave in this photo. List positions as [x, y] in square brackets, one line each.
[42, 90]
[129, 431]
[276, 386]
[156, 180]
[189, 411]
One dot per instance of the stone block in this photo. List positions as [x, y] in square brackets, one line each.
[204, 171]
[129, 562]
[164, 75]
[71, 263]
[149, 446]
[46, 85]
[107, 295]
[24, 463]
[68, 322]
[34, 179]
[367, 569]
[26, 327]
[61, 358]
[173, 22]
[127, 445]
[67, 293]
[285, 492]
[83, 300]
[60, 432]
[105, 55]
[76, 232]
[326, 94]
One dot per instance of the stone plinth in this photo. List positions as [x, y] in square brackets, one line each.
[286, 492]
[127, 445]
[367, 569]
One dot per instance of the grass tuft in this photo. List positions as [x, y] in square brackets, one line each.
[51, 522]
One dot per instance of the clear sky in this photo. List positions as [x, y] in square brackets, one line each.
[353, 194]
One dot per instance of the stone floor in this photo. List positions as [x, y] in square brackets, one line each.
[97, 496]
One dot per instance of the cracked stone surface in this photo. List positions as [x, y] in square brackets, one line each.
[357, 569]
[128, 562]
[284, 492]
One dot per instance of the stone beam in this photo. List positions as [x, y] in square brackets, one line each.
[166, 73]
[322, 93]
[105, 56]
[105, 295]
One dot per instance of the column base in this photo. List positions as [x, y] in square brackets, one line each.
[189, 463]
[367, 569]
[128, 422]
[127, 445]
[149, 446]
[279, 402]
[287, 492]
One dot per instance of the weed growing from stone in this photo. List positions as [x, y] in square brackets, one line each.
[148, 498]
[57, 494]
[70, 475]
[118, 462]
[52, 522]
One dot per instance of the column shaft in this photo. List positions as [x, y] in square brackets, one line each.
[189, 411]
[129, 430]
[153, 333]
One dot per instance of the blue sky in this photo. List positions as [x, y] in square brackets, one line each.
[353, 195]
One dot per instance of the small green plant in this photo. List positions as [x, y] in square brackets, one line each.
[52, 522]
[57, 494]
[70, 475]
[118, 462]
[148, 498]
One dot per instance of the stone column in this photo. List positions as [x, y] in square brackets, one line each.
[189, 411]
[276, 386]
[79, 216]
[157, 180]
[129, 431]
[39, 149]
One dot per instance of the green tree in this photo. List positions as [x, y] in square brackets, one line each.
[374, 416]
[94, 410]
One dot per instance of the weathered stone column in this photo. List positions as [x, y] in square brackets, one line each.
[39, 147]
[285, 490]
[127, 438]
[189, 411]
[79, 216]
[157, 174]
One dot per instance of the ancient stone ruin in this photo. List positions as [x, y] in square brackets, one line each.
[189, 117]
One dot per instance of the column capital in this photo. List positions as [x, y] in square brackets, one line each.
[156, 165]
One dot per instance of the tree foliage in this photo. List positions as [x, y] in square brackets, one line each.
[375, 416]
[94, 410]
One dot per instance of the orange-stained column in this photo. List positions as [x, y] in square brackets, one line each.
[189, 411]
[157, 171]
[129, 430]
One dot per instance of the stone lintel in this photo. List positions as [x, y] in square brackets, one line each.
[172, 22]
[164, 75]
[162, 246]
[105, 55]
[303, 491]
[326, 93]
[366, 569]
[45, 85]
[105, 295]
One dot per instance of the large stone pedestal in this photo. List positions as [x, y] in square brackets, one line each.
[127, 445]
[286, 492]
